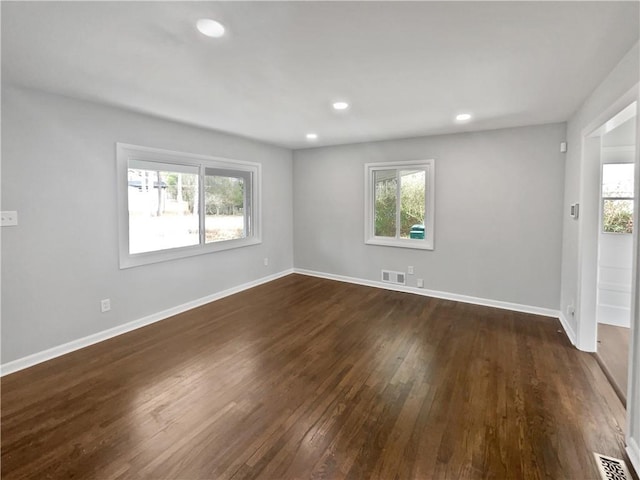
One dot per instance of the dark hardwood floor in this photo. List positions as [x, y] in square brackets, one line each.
[308, 378]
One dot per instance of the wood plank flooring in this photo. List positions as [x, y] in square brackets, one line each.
[613, 352]
[305, 378]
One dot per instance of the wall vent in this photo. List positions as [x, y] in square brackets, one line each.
[389, 276]
[612, 468]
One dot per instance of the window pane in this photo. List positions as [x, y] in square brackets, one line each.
[412, 204]
[617, 216]
[162, 210]
[398, 206]
[386, 196]
[224, 208]
[617, 180]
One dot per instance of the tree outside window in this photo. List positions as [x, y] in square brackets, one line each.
[617, 197]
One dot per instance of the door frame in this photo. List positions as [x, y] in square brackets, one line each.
[586, 334]
[589, 221]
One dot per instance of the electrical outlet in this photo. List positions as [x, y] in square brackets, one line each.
[266, 261]
[105, 305]
[571, 310]
[9, 219]
[410, 270]
[420, 283]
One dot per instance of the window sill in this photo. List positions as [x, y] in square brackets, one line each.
[138, 259]
[403, 243]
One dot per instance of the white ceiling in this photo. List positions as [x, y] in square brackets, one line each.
[406, 67]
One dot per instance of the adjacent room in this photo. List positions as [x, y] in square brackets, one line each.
[296, 240]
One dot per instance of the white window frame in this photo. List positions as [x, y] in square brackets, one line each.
[127, 152]
[369, 201]
[603, 198]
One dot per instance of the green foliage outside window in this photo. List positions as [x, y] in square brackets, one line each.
[617, 216]
[182, 187]
[412, 203]
[617, 197]
[223, 195]
[385, 222]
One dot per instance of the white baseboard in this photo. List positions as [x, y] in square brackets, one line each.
[547, 312]
[634, 454]
[567, 328]
[30, 360]
[614, 315]
[34, 359]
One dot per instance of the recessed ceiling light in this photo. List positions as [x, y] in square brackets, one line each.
[312, 136]
[463, 117]
[210, 28]
[340, 105]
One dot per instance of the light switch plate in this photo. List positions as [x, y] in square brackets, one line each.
[8, 219]
[574, 210]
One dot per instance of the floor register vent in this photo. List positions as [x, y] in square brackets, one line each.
[612, 468]
[393, 277]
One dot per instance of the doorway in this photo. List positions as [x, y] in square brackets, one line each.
[617, 145]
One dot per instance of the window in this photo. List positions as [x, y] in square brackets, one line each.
[399, 200]
[617, 197]
[175, 205]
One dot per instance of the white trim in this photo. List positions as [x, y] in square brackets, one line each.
[619, 149]
[614, 314]
[516, 307]
[399, 242]
[632, 436]
[634, 453]
[69, 347]
[613, 267]
[617, 107]
[614, 287]
[567, 328]
[588, 236]
[618, 119]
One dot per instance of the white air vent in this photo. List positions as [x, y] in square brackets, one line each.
[612, 468]
[389, 276]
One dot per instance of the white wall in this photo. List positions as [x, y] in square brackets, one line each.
[498, 213]
[59, 173]
[623, 77]
[618, 84]
[615, 260]
[615, 253]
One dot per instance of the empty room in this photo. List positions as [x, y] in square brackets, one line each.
[320, 240]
